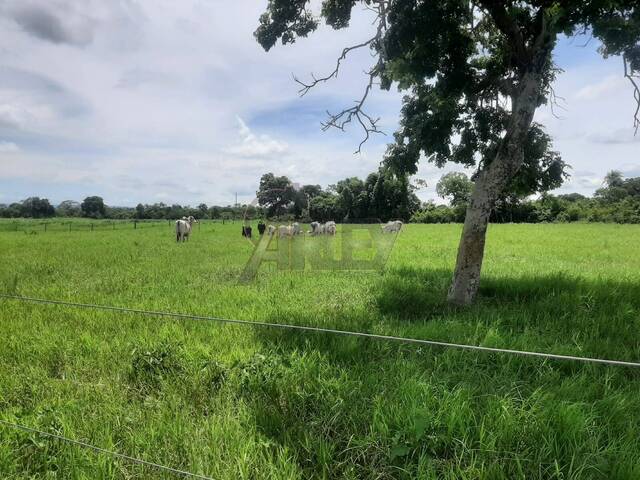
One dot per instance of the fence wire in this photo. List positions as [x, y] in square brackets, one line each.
[96, 449]
[418, 341]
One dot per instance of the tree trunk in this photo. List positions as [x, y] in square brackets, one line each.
[490, 183]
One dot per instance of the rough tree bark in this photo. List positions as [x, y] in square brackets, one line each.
[489, 184]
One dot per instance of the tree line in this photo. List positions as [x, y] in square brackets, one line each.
[381, 196]
[94, 207]
[618, 201]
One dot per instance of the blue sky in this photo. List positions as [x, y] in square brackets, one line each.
[158, 100]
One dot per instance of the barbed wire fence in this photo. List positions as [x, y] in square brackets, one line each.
[97, 226]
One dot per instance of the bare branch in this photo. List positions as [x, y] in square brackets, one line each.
[366, 121]
[339, 120]
[305, 87]
[554, 103]
[628, 73]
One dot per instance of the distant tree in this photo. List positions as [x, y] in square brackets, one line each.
[36, 207]
[275, 193]
[214, 212]
[613, 178]
[474, 73]
[353, 200]
[572, 197]
[390, 196]
[302, 199]
[69, 208]
[141, 212]
[455, 187]
[311, 191]
[93, 207]
[325, 207]
[203, 210]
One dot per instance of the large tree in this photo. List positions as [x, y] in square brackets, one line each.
[474, 73]
[456, 187]
[93, 207]
[275, 193]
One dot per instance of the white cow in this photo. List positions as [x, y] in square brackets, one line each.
[392, 227]
[317, 228]
[289, 230]
[330, 227]
[271, 229]
[183, 228]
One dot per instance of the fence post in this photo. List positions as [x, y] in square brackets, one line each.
[135, 224]
[92, 227]
[45, 226]
[69, 226]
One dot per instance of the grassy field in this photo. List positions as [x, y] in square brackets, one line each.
[231, 401]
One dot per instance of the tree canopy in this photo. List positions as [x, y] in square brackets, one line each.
[473, 73]
[93, 207]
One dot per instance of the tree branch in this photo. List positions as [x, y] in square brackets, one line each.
[366, 121]
[628, 73]
[339, 120]
[508, 26]
[305, 87]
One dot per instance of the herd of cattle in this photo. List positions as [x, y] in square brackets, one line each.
[185, 225]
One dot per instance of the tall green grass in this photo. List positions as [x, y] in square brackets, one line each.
[240, 402]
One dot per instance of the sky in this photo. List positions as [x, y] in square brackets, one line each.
[144, 101]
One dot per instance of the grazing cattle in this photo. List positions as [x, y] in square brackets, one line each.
[289, 230]
[392, 227]
[284, 231]
[271, 229]
[246, 231]
[330, 228]
[316, 228]
[183, 228]
[261, 227]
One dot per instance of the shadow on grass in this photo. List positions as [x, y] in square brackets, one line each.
[555, 313]
[411, 293]
[351, 406]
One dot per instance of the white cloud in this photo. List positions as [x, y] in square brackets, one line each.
[8, 147]
[135, 100]
[253, 146]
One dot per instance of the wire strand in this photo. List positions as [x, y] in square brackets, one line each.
[324, 330]
[104, 451]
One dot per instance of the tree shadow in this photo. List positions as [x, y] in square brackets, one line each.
[317, 399]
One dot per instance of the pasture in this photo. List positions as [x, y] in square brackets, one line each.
[241, 402]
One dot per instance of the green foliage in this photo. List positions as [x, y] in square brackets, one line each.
[463, 66]
[275, 194]
[32, 207]
[150, 366]
[93, 207]
[456, 187]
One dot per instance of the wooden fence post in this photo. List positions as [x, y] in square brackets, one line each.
[92, 227]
